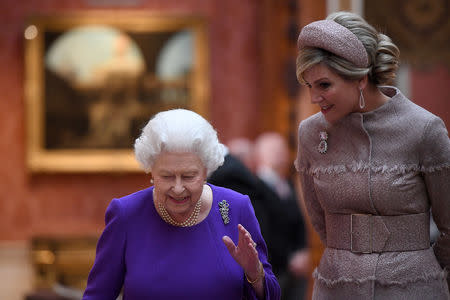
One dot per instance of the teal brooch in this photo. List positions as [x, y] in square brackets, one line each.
[224, 209]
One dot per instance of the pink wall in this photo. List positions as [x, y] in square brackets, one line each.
[53, 204]
[430, 88]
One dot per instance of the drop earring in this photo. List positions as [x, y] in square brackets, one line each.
[151, 180]
[362, 103]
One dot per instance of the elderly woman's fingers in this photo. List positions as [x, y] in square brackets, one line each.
[246, 244]
[241, 231]
[246, 236]
[244, 253]
[230, 245]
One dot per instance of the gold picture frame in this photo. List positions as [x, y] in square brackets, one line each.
[92, 81]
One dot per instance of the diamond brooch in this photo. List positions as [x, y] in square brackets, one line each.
[223, 209]
[323, 145]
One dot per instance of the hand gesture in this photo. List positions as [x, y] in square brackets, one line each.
[244, 253]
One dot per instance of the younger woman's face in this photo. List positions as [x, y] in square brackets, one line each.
[335, 96]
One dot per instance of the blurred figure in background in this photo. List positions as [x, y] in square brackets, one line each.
[236, 173]
[286, 238]
[242, 148]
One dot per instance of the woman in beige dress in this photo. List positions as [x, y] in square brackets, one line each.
[372, 165]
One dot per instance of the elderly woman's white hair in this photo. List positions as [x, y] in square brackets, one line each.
[179, 130]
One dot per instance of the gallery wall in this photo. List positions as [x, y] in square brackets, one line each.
[65, 204]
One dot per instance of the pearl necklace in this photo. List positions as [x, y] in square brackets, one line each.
[191, 221]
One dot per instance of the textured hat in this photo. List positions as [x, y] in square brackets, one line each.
[335, 38]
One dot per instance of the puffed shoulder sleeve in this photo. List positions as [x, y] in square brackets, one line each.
[308, 193]
[106, 277]
[435, 164]
[271, 286]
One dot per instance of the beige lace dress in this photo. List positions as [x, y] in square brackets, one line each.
[369, 196]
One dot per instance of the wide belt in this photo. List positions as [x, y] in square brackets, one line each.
[365, 233]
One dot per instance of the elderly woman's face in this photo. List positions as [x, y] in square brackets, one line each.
[178, 179]
[336, 96]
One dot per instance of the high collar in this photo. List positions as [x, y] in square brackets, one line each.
[392, 92]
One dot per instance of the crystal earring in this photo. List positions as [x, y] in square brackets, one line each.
[362, 103]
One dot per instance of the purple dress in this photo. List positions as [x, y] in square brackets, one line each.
[151, 259]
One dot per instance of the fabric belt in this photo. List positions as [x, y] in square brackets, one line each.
[365, 233]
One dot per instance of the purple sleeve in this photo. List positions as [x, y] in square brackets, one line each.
[271, 286]
[106, 277]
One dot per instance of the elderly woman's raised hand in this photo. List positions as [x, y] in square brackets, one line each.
[245, 255]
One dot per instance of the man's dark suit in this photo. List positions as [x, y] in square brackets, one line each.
[233, 174]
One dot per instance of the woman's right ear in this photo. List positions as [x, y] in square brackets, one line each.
[363, 82]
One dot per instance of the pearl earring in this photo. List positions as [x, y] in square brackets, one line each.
[362, 103]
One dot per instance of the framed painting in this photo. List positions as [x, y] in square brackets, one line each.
[93, 80]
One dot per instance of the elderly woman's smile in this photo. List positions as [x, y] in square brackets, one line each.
[179, 179]
[180, 200]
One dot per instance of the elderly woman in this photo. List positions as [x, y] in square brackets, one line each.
[181, 238]
[371, 163]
